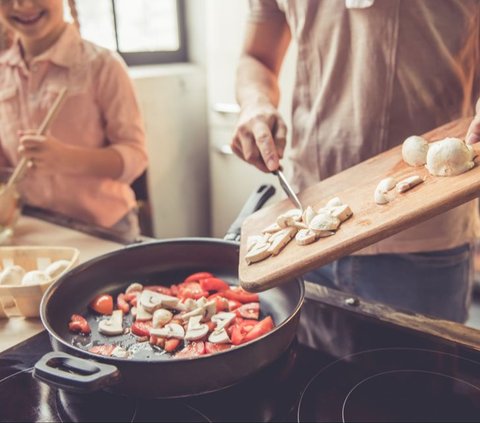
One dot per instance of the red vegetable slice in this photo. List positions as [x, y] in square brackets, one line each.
[171, 344]
[214, 284]
[261, 328]
[102, 304]
[211, 348]
[239, 294]
[193, 349]
[195, 277]
[141, 328]
[122, 304]
[79, 324]
[191, 290]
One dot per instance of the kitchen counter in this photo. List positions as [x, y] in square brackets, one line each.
[34, 230]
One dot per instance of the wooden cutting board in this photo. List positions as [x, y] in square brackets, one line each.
[370, 222]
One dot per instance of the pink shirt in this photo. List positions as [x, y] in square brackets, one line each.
[100, 110]
[368, 78]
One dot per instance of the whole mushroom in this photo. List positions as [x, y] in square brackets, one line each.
[414, 150]
[449, 157]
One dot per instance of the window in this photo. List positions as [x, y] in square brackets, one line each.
[142, 31]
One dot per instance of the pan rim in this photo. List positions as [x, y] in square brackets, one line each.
[112, 360]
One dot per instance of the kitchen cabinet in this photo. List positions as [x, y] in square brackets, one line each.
[232, 180]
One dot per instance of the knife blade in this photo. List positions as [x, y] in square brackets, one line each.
[288, 189]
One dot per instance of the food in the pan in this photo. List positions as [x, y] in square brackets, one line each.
[414, 150]
[202, 315]
[306, 227]
[449, 157]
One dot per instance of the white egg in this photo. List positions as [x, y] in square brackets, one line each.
[12, 275]
[57, 268]
[35, 277]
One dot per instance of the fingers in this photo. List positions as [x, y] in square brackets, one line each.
[247, 150]
[473, 133]
[280, 137]
[266, 145]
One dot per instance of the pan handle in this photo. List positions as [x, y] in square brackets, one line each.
[255, 202]
[74, 374]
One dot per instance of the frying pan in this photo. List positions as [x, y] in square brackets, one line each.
[165, 262]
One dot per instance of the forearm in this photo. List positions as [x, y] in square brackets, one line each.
[256, 83]
[96, 162]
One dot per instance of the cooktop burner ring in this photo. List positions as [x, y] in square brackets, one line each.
[385, 374]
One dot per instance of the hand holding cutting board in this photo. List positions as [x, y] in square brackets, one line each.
[370, 222]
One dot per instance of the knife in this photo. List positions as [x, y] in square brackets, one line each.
[288, 189]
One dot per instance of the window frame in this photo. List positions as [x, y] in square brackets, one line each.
[139, 58]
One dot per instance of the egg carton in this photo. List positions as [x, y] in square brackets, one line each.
[21, 296]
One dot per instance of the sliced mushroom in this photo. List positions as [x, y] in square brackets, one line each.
[308, 215]
[289, 218]
[324, 234]
[223, 319]
[134, 287]
[170, 330]
[169, 301]
[334, 202]
[161, 317]
[380, 197]
[305, 237]
[300, 225]
[120, 352]
[142, 315]
[113, 325]
[205, 311]
[195, 329]
[189, 304]
[271, 229]
[254, 240]
[409, 183]
[387, 184]
[150, 300]
[342, 212]
[219, 336]
[258, 254]
[324, 222]
[281, 239]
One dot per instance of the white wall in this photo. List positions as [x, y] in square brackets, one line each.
[173, 103]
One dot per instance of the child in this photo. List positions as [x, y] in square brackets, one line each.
[95, 147]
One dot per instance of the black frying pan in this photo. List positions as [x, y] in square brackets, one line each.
[156, 263]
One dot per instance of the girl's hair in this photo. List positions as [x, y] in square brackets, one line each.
[74, 13]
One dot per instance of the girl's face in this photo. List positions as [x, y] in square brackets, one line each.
[33, 20]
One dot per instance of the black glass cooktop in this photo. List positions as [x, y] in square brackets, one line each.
[391, 376]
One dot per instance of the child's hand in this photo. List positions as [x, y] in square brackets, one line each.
[46, 153]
